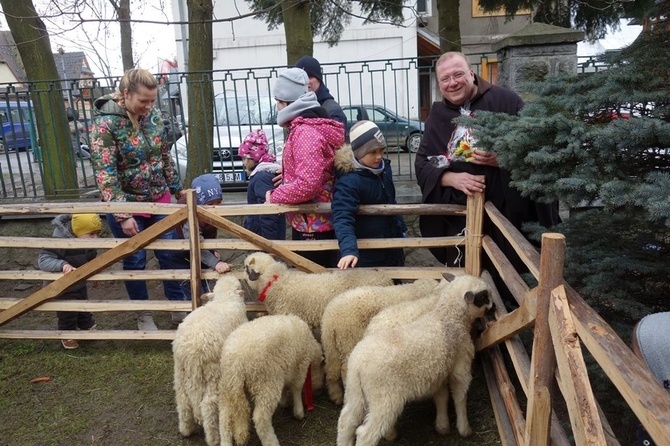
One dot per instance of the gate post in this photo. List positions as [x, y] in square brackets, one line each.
[543, 361]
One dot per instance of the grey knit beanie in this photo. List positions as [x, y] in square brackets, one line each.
[290, 85]
[365, 137]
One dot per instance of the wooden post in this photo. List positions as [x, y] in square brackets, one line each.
[474, 224]
[543, 361]
[194, 246]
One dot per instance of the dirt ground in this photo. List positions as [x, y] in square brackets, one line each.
[120, 392]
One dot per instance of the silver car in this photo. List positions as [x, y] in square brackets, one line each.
[235, 117]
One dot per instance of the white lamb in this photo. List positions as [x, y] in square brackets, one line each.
[197, 350]
[346, 318]
[259, 359]
[429, 356]
[290, 291]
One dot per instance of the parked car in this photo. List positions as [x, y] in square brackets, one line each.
[234, 118]
[398, 130]
[16, 120]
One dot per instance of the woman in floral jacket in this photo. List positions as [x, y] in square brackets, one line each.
[132, 163]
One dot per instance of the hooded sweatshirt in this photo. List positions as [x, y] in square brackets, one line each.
[53, 259]
[130, 165]
[307, 161]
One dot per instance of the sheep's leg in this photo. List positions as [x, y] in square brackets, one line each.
[441, 400]
[459, 382]
[209, 409]
[262, 417]
[225, 428]
[335, 391]
[296, 392]
[187, 423]
[351, 416]
[379, 421]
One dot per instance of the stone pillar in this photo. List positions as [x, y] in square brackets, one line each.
[534, 52]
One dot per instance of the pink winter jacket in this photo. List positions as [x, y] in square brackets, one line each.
[307, 166]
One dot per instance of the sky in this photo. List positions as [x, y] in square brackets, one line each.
[151, 42]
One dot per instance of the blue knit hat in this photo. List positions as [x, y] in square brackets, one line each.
[207, 188]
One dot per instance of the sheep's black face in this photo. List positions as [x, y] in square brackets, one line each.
[251, 273]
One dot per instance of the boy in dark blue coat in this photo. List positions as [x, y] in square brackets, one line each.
[364, 177]
[261, 168]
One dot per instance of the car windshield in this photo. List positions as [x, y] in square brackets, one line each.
[244, 111]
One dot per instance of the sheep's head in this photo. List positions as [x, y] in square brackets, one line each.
[227, 285]
[259, 263]
[475, 292]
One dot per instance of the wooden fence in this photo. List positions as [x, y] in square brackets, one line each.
[553, 312]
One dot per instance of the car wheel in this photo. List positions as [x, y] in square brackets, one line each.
[412, 143]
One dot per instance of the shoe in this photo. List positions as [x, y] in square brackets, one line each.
[178, 317]
[146, 323]
[69, 344]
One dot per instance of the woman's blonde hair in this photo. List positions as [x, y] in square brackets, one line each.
[132, 80]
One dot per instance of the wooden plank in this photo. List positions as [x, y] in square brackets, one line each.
[584, 418]
[264, 244]
[543, 360]
[224, 210]
[516, 285]
[521, 245]
[118, 305]
[521, 363]
[194, 242]
[232, 244]
[473, 233]
[505, 428]
[507, 326]
[55, 289]
[89, 335]
[638, 386]
[509, 394]
[428, 272]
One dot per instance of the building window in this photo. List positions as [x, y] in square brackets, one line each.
[423, 7]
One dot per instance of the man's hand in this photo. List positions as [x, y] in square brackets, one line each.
[130, 227]
[67, 268]
[347, 261]
[484, 158]
[463, 181]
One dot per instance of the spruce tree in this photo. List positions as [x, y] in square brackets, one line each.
[601, 140]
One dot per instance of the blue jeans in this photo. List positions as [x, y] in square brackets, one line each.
[137, 289]
[181, 260]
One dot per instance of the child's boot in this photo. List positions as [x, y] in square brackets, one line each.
[145, 321]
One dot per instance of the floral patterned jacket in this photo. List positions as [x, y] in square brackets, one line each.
[130, 165]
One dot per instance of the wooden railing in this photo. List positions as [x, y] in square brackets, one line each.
[552, 311]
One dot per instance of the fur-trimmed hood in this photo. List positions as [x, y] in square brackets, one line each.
[345, 161]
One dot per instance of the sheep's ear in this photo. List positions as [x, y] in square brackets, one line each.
[449, 277]
[207, 297]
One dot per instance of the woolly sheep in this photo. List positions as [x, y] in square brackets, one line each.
[346, 318]
[259, 359]
[429, 356]
[289, 291]
[197, 349]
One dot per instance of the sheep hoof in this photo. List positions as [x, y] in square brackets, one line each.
[465, 432]
[443, 430]
[186, 430]
[299, 415]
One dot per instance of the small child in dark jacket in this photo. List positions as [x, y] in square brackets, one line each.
[364, 177]
[207, 192]
[261, 168]
[68, 260]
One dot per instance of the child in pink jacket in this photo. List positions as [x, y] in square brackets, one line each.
[307, 160]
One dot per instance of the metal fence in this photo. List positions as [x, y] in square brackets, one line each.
[396, 93]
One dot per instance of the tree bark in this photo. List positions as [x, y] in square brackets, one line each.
[200, 90]
[32, 39]
[449, 25]
[297, 29]
[123, 14]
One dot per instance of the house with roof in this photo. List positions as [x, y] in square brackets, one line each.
[369, 48]
[11, 67]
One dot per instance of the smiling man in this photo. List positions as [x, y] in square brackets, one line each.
[464, 92]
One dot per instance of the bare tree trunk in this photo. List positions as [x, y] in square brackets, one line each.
[200, 92]
[297, 29]
[31, 37]
[449, 25]
[122, 8]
